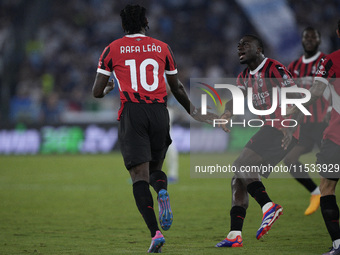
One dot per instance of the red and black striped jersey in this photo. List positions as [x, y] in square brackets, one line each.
[269, 74]
[138, 63]
[303, 71]
[329, 73]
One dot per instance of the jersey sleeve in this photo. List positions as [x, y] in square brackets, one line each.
[325, 73]
[105, 62]
[170, 63]
[282, 76]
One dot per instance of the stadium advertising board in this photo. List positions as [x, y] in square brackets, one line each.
[101, 138]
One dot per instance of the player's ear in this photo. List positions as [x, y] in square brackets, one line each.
[338, 32]
[147, 23]
[259, 50]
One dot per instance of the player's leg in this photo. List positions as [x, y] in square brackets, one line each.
[264, 148]
[251, 180]
[310, 134]
[243, 183]
[301, 175]
[240, 201]
[159, 142]
[329, 156]
[133, 134]
[144, 201]
[330, 211]
[256, 189]
[141, 192]
[158, 180]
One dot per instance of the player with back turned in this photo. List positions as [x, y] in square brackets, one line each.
[267, 147]
[138, 63]
[311, 129]
[328, 159]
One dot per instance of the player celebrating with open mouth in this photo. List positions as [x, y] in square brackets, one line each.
[267, 147]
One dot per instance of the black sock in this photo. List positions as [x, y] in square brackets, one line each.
[307, 183]
[144, 203]
[330, 213]
[302, 177]
[158, 180]
[237, 215]
[258, 192]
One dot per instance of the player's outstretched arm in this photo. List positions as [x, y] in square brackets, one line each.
[102, 86]
[181, 96]
[316, 91]
[228, 113]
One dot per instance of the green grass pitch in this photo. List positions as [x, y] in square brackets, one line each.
[83, 204]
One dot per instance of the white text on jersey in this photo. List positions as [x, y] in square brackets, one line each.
[142, 48]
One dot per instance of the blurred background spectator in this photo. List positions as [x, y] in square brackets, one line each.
[49, 49]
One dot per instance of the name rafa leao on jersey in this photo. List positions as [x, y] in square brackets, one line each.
[143, 48]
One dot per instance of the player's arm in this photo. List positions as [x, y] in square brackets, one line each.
[178, 90]
[316, 92]
[228, 112]
[102, 85]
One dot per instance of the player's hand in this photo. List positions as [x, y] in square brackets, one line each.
[287, 137]
[208, 118]
[227, 116]
[109, 86]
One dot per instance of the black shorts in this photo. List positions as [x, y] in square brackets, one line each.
[143, 133]
[310, 134]
[329, 160]
[267, 143]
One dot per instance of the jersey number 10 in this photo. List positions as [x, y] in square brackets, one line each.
[142, 70]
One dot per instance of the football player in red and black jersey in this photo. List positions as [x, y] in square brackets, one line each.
[267, 147]
[138, 63]
[311, 129]
[328, 159]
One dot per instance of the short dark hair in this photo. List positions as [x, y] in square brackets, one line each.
[313, 29]
[133, 18]
[339, 25]
[258, 40]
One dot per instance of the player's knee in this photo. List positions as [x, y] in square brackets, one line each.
[156, 165]
[327, 187]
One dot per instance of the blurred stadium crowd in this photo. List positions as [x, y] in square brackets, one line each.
[50, 49]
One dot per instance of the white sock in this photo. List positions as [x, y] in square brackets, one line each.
[336, 243]
[233, 234]
[316, 191]
[267, 206]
